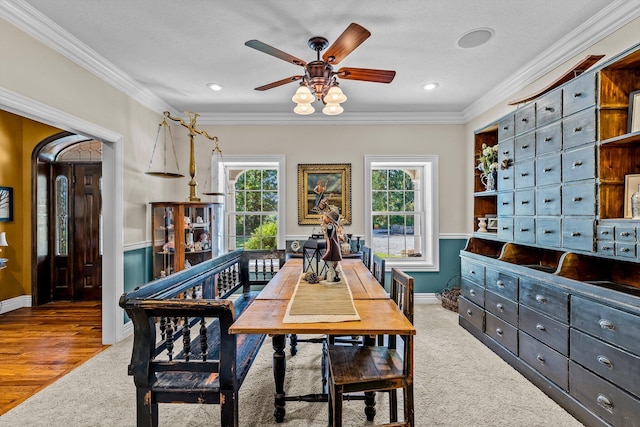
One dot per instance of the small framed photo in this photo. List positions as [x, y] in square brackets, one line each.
[634, 111]
[492, 224]
[631, 185]
[6, 204]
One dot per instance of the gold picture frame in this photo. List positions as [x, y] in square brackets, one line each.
[631, 185]
[335, 182]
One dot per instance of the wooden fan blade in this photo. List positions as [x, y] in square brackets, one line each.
[262, 47]
[366, 74]
[279, 83]
[350, 39]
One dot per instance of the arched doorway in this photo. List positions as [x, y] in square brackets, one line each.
[67, 181]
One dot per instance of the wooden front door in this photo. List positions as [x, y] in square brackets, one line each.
[77, 261]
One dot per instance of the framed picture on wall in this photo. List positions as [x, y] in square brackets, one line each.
[634, 111]
[6, 204]
[320, 186]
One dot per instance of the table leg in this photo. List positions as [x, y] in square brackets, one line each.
[370, 396]
[279, 368]
[293, 344]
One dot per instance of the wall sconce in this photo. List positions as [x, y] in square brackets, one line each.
[3, 242]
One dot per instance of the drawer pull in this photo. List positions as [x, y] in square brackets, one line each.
[505, 128]
[575, 234]
[576, 199]
[524, 202]
[524, 119]
[540, 327]
[547, 139]
[499, 306]
[605, 248]
[472, 292]
[540, 298]
[606, 324]
[540, 358]
[624, 249]
[505, 228]
[547, 170]
[500, 284]
[525, 146]
[548, 200]
[605, 361]
[522, 230]
[577, 129]
[469, 312]
[499, 331]
[505, 152]
[576, 164]
[577, 94]
[505, 177]
[547, 231]
[472, 272]
[604, 232]
[605, 402]
[624, 233]
[524, 174]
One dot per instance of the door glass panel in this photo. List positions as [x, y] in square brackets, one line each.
[62, 216]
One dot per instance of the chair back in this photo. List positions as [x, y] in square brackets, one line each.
[402, 292]
[366, 256]
[378, 268]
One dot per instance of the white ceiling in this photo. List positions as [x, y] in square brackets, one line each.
[165, 52]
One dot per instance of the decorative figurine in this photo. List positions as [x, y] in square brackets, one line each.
[333, 255]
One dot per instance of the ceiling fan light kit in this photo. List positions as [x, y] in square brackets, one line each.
[319, 79]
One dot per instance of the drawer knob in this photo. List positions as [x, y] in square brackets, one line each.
[469, 312]
[525, 146]
[605, 402]
[605, 248]
[575, 234]
[547, 139]
[547, 170]
[524, 119]
[606, 324]
[624, 233]
[577, 94]
[500, 307]
[524, 174]
[540, 327]
[524, 230]
[624, 250]
[547, 231]
[576, 164]
[540, 358]
[505, 228]
[547, 108]
[472, 272]
[603, 360]
[547, 200]
[540, 298]
[576, 199]
[499, 331]
[472, 292]
[604, 232]
[505, 128]
[500, 283]
[524, 202]
[577, 129]
[505, 203]
[505, 177]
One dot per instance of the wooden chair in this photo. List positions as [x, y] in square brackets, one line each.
[380, 368]
[378, 268]
[366, 256]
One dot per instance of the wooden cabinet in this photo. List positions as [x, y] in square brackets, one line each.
[556, 290]
[184, 234]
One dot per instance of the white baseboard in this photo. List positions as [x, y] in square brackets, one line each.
[15, 303]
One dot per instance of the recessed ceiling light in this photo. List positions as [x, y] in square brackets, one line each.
[429, 85]
[475, 38]
[214, 86]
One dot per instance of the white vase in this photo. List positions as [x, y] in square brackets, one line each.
[489, 181]
[482, 225]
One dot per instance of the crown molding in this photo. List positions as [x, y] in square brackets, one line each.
[614, 16]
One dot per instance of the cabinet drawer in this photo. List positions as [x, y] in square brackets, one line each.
[578, 94]
[505, 228]
[524, 230]
[549, 108]
[625, 234]
[605, 247]
[543, 359]
[525, 174]
[502, 284]
[502, 332]
[472, 270]
[548, 231]
[579, 164]
[525, 119]
[625, 250]
[505, 204]
[472, 291]
[548, 169]
[544, 329]
[611, 363]
[579, 129]
[549, 139]
[579, 199]
[605, 232]
[553, 302]
[577, 233]
[524, 203]
[471, 312]
[501, 307]
[506, 128]
[506, 179]
[525, 146]
[548, 200]
[610, 324]
[606, 400]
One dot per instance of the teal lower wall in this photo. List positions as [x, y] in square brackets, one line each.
[138, 269]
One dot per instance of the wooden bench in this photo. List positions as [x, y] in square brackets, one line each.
[167, 364]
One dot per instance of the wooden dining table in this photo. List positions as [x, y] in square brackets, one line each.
[379, 315]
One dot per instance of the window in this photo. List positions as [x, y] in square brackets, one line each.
[254, 207]
[401, 221]
[62, 216]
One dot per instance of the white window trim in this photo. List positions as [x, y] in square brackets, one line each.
[430, 219]
[271, 161]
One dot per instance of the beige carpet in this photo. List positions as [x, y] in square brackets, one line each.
[459, 382]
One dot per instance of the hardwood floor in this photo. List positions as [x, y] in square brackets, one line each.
[38, 345]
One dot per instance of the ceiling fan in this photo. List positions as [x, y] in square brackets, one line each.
[319, 78]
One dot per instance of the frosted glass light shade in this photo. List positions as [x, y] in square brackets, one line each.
[304, 109]
[335, 96]
[303, 96]
[332, 109]
[3, 239]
